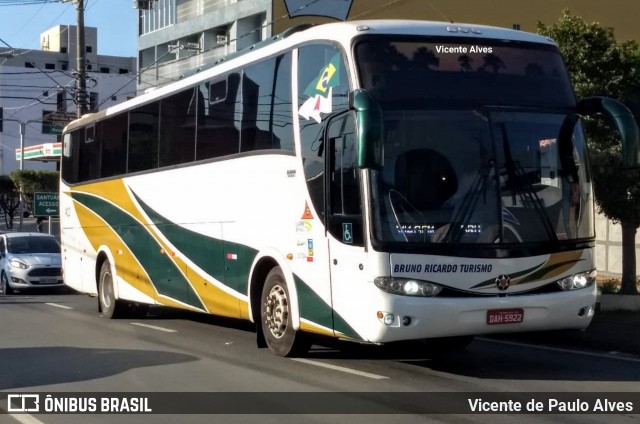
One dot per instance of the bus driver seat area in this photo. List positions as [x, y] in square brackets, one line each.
[425, 178]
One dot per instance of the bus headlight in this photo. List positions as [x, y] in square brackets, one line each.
[407, 286]
[578, 281]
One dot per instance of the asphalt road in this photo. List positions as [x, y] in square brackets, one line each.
[51, 342]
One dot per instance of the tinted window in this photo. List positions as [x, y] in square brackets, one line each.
[89, 163]
[71, 146]
[178, 128]
[19, 245]
[266, 115]
[114, 145]
[416, 72]
[218, 132]
[143, 138]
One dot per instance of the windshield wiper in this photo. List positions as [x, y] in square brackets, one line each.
[463, 215]
[519, 184]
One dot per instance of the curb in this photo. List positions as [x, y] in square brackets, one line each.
[619, 302]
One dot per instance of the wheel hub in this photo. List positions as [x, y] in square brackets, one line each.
[277, 311]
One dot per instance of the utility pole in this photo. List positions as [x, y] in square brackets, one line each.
[81, 76]
[81, 82]
[23, 129]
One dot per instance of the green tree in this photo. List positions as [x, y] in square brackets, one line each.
[29, 182]
[9, 202]
[601, 66]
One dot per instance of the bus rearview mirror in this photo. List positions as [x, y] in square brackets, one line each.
[621, 116]
[369, 129]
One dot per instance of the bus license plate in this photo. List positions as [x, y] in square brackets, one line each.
[504, 316]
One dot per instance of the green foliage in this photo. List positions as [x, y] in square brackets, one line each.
[601, 66]
[9, 202]
[30, 182]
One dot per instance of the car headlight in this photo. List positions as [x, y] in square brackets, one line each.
[578, 281]
[17, 264]
[407, 286]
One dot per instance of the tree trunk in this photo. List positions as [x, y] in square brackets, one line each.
[628, 285]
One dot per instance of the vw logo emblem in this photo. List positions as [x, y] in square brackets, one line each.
[502, 282]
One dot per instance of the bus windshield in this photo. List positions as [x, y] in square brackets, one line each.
[479, 147]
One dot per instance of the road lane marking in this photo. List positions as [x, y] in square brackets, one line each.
[154, 327]
[342, 369]
[25, 419]
[59, 306]
[563, 350]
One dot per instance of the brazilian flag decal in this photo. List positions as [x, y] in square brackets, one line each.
[319, 91]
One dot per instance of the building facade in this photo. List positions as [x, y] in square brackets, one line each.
[176, 36]
[37, 89]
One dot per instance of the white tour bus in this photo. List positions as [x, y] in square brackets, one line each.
[375, 181]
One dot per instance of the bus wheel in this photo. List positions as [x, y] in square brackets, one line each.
[110, 307]
[275, 313]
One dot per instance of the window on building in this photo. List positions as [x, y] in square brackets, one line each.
[162, 14]
[49, 66]
[88, 49]
[104, 70]
[93, 101]
[29, 65]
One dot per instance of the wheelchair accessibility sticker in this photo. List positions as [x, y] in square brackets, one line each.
[347, 232]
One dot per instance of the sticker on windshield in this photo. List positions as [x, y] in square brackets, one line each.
[320, 91]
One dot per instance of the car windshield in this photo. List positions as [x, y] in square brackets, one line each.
[18, 245]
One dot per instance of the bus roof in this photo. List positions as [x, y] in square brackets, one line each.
[341, 32]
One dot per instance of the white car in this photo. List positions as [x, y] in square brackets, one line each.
[29, 260]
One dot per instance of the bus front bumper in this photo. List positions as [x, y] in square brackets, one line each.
[413, 318]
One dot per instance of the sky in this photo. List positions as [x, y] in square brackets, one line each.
[116, 20]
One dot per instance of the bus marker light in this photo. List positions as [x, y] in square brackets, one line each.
[290, 256]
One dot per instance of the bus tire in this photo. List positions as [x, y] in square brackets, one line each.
[110, 307]
[275, 318]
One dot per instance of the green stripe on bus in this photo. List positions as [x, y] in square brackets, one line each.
[208, 253]
[162, 271]
[315, 309]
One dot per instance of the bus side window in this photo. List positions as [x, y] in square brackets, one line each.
[177, 128]
[218, 133]
[266, 99]
[89, 163]
[114, 145]
[70, 157]
[143, 138]
[345, 211]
